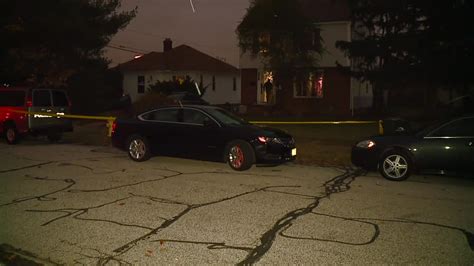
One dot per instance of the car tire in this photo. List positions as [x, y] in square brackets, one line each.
[138, 148]
[54, 136]
[395, 166]
[11, 134]
[239, 155]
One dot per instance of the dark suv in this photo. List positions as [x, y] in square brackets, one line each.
[14, 122]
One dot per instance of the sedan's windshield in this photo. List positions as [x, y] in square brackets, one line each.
[226, 118]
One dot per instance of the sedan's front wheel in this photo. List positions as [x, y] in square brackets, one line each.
[395, 166]
[138, 148]
[240, 155]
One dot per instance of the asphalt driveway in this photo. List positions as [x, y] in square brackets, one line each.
[66, 204]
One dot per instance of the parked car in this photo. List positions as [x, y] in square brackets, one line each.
[204, 132]
[14, 124]
[443, 147]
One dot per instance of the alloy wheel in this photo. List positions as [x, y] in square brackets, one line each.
[395, 166]
[137, 149]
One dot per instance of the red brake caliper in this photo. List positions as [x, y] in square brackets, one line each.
[239, 157]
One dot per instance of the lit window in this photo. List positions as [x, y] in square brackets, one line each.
[309, 85]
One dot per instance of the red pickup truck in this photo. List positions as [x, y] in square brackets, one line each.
[14, 122]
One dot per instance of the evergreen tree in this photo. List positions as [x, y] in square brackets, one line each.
[411, 43]
[47, 41]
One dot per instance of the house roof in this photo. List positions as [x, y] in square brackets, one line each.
[180, 58]
[327, 10]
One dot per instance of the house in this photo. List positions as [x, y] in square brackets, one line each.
[328, 91]
[221, 80]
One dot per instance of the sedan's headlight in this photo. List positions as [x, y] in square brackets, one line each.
[366, 144]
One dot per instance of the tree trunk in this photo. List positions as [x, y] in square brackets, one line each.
[377, 100]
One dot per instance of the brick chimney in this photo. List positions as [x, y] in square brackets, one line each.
[167, 45]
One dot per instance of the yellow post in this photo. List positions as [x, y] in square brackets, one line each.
[380, 127]
[110, 124]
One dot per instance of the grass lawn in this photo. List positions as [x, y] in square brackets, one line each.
[323, 145]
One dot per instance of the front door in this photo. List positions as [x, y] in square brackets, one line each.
[200, 133]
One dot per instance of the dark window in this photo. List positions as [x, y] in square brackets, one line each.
[141, 84]
[60, 99]
[41, 98]
[235, 83]
[12, 98]
[201, 82]
[194, 117]
[164, 115]
[459, 128]
[213, 83]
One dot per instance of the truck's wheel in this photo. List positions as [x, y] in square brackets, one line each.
[240, 155]
[11, 134]
[138, 148]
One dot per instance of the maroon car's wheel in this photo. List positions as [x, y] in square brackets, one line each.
[240, 155]
[11, 135]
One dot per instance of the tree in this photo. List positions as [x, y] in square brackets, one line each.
[417, 42]
[282, 35]
[45, 42]
[95, 88]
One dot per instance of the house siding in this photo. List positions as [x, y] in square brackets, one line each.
[336, 99]
[224, 92]
[337, 86]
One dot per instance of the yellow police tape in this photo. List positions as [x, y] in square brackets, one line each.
[380, 123]
[110, 119]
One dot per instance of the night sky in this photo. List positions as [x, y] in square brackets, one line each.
[211, 29]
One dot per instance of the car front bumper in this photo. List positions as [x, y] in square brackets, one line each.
[275, 153]
[365, 158]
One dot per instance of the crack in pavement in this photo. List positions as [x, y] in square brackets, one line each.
[76, 212]
[468, 235]
[43, 197]
[164, 177]
[90, 168]
[372, 239]
[99, 257]
[210, 245]
[126, 247]
[26, 167]
[337, 184]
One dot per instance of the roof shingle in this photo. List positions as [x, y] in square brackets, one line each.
[181, 58]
